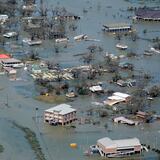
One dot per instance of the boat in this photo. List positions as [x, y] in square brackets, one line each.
[80, 37]
[34, 42]
[155, 50]
[121, 46]
[61, 40]
[148, 53]
[10, 34]
[26, 40]
[73, 145]
[94, 40]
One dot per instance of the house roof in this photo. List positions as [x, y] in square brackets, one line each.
[11, 60]
[4, 56]
[3, 16]
[147, 13]
[62, 109]
[117, 25]
[116, 98]
[122, 143]
[112, 102]
[122, 95]
[107, 142]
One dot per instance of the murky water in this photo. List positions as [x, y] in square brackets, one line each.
[55, 140]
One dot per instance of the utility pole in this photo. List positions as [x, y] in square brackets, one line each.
[36, 115]
[7, 101]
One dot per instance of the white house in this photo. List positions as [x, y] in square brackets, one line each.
[61, 114]
[117, 97]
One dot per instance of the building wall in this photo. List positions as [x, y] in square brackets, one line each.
[62, 119]
[137, 148]
[106, 150]
[114, 150]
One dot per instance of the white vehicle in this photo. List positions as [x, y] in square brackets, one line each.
[10, 34]
[121, 46]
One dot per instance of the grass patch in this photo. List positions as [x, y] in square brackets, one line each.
[1, 148]
[2, 51]
[32, 139]
[52, 99]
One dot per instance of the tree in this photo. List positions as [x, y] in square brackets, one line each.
[88, 58]
[12, 2]
[116, 77]
[136, 103]
[33, 56]
[154, 91]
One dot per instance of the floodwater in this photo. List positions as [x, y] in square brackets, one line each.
[55, 140]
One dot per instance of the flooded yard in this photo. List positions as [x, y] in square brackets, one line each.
[18, 96]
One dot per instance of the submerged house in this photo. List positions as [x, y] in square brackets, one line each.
[3, 18]
[67, 16]
[141, 114]
[117, 148]
[147, 14]
[12, 62]
[124, 120]
[118, 27]
[61, 114]
[117, 97]
[63, 14]
[126, 83]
